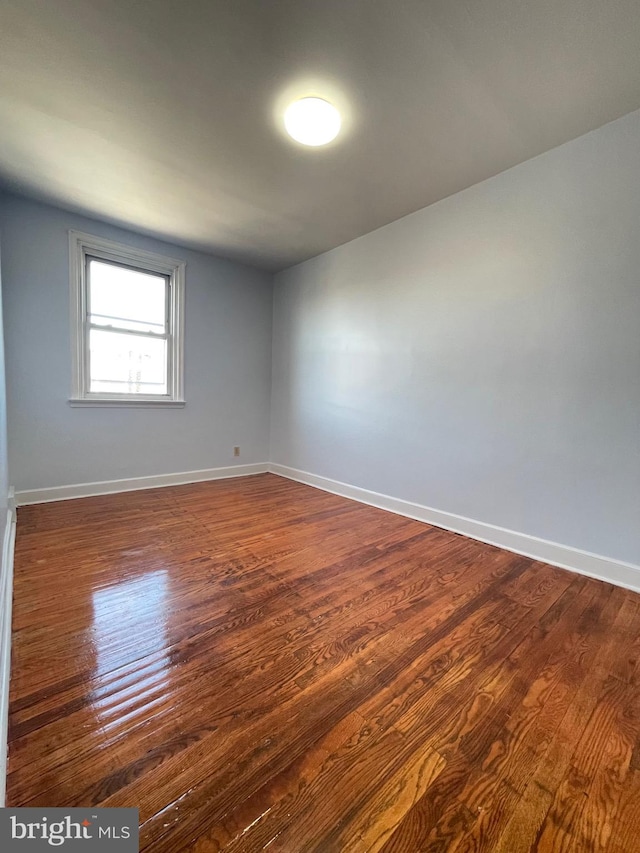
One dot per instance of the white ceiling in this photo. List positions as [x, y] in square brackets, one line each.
[160, 115]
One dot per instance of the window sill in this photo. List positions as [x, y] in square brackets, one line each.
[83, 402]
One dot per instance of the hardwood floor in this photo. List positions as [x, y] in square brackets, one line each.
[254, 663]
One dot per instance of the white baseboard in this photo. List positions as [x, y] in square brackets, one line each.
[106, 487]
[6, 600]
[616, 572]
[564, 556]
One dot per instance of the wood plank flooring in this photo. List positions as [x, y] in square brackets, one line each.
[257, 664]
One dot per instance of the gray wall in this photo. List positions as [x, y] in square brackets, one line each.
[6, 572]
[6, 575]
[482, 356]
[227, 364]
[4, 462]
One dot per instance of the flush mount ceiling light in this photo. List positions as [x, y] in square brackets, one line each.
[312, 121]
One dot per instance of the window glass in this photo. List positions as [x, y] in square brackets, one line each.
[126, 298]
[127, 364]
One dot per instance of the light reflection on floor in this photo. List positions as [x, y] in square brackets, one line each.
[129, 625]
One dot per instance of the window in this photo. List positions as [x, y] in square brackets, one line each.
[126, 325]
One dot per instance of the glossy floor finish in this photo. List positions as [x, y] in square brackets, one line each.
[257, 664]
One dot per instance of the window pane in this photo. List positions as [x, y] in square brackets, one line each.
[126, 298]
[127, 364]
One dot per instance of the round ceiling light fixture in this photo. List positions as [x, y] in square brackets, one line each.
[312, 121]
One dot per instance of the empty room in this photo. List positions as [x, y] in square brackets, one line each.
[320, 426]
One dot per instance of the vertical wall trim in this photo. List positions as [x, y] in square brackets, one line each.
[6, 602]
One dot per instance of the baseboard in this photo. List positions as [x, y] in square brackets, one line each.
[6, 600]
[565, 557]
[106, 487]
[616, 572]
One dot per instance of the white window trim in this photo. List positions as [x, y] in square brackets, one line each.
[81, 245]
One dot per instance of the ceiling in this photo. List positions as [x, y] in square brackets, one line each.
[163, 115]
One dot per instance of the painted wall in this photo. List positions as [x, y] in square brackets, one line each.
[227, 364]
[6, 569]
[482, 356]
[4, 462]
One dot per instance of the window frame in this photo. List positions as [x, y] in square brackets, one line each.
[86, 246]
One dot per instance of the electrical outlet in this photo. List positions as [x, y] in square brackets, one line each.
[236, 451]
